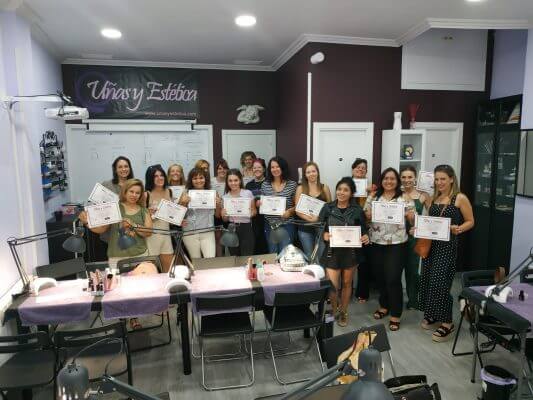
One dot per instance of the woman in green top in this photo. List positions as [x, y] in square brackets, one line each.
[412, 276]
[134, 215]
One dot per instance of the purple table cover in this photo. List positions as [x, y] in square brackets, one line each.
[137, 295]
[66, 302]
[219, 281]
[522, 308]
[277, 280]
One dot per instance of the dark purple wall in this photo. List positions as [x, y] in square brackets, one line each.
[362, 84]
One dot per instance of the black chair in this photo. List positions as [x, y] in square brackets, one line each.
[31, 365]
[67, 269]
[334, 346]
[214, 322]
[104, 357]
[292, 311]
[495, 330]
[128, 265]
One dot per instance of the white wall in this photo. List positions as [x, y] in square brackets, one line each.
[508, 63]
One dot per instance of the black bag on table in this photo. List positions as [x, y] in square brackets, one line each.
[412, 387]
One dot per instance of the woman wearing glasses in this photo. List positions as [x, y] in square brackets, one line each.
[438, 269]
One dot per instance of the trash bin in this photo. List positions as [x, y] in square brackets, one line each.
[496, 383]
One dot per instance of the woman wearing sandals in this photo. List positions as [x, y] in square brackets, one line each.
[341, 262]
[438, 269]
[388, 248]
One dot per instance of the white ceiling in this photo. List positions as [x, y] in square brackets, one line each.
[203, 31]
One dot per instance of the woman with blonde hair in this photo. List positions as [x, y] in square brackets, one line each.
[311, 186]
[438, 269]
[203, 164]
[176, 176]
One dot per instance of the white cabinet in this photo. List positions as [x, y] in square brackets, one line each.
[396, 144]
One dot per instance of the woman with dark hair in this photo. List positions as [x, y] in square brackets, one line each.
[245, 233]
[247, 161]
[340, 262]
[412, 260]
[157, 190]
[219, 184]
[311, 186]
[122, 171]
[438, 269]
[277, 183]
[199, 244]
[258, 222]
[388, 248]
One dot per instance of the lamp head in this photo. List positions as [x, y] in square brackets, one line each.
[73, 382]
[125, 241]
[367, 390]
[229, 238]
[75, 243]
[278, 235]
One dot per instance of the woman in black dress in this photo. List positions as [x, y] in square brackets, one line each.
[438, 269]
[341, 262]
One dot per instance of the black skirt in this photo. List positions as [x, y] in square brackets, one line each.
[340, 257]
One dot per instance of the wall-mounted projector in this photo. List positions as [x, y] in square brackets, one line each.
[67, 113]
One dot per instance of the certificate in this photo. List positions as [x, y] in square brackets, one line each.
[205, 199]
[388, 212]
[272, 205]
[171, 212]
[237, 206]
[103, 214]
[345, 236]
[309, 205]
[425, 182]
[435, 228]
[360, 187]
[177, 191]
[100, 194]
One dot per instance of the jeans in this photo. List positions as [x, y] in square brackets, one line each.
[307, 239]
[277, 247]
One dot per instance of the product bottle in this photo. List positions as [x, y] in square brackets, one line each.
[249, 271]
[260, 273]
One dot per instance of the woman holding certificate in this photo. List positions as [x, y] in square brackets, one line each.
[122, 171]
[157, 190]
[202, 203]
[277, 201]
[388, 211]
[312, 187]
[258, 222]
[239, 208]
[438, 269]
[345, 217]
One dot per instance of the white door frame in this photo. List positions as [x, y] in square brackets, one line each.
[318, 138]
[228, 132]
[456, 129]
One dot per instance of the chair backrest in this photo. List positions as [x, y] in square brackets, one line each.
[285, 299]
[334, 346]
[213, 262]
[61, 269]
[269, 258]
[84, 337]
[26, 341]
[224, 302]
[128, 264]
[93, 266]
[483, 277]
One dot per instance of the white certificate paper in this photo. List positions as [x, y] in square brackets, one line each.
[177, 191]
[272, 205]
[309, 205]
[360, 187]
[426, 182]
[388, 212]
[100, 194]
[435, 228]
[205, 199]
[237, 206]
[170, 212]
[103, 214]
[345, 236]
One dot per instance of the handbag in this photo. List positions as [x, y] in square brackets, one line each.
[423, 245]
[412, 387]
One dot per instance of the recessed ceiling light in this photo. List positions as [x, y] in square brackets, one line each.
[245, 20]
[111, 33]
[474, 1]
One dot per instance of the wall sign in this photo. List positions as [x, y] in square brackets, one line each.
[133, 92]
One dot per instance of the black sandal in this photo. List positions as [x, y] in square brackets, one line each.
[394, 326]
[380, 314]
[443, 333]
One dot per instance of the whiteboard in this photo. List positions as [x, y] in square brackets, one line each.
[89, 155]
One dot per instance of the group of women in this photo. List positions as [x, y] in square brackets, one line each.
[387, 252]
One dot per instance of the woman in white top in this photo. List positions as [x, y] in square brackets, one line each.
[157, 190]
[243, 225]
[247, 162]
[388, 248]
